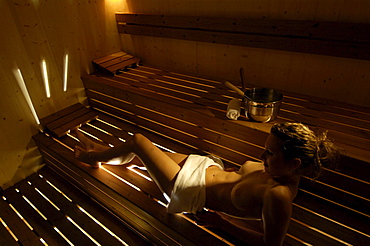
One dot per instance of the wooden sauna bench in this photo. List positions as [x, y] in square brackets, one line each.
[186, 113]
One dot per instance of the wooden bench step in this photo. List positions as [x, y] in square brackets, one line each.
[211, 97]
[56, 213]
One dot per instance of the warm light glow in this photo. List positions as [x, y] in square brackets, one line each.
[131, 168]
[43, 241]
[120, 178]
[69, 199]
[19, 77]
[101, 225]
[86, 213]
[46, 78]
[34, 207]
[82, 230]
[47, 199]
[164, 148]
[7, 227]
[65, 74]
[21, 217]
[62, 235]
[167, 197]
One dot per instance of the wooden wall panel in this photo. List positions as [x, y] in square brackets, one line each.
[341, 79]
[36, 30]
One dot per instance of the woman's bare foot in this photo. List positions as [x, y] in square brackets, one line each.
[89, 144]
[86, 157]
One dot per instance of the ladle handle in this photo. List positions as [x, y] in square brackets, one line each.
[234, 88]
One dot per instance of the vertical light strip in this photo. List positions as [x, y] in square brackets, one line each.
[65, 73]
[46, 78]
[19, 77]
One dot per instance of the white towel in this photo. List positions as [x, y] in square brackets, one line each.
[233, 109]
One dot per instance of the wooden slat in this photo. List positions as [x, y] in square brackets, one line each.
[329, 225]
[60, 131]
[130, 128]
[199, 142]
[308, 29]
[115, 62]
[332, 210]
[324, 38]
[23, 233]
[304, 111]
[342, 139]
[114, 205]
[5, 237]
[109, 57]
[67, 118]
[159, 103]
[42, 227]
[114, 59]
[124, 64]
[56, 217]
[311, 235]
[70, 208]
[115, 225]
[57, 115]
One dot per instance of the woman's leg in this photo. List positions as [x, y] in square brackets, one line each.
[162, 167]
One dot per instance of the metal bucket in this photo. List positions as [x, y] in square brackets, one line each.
[262, 104]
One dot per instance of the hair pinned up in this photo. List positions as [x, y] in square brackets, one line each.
[313, 150]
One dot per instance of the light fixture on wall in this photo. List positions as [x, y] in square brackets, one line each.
[19, 77]
[65, 73]
[45, 77]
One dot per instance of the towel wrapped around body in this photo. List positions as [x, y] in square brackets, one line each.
[189, 191]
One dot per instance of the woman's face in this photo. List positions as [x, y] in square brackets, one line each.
[273, 158]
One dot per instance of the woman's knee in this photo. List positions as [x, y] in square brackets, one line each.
[138, 140]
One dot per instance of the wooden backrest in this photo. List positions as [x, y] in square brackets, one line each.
[189, 113]
[351, 40]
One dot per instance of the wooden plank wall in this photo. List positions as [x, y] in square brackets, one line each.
[329, 77]
[36, 30]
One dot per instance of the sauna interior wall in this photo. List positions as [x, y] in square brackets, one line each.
[334, 78]
[33, 30]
